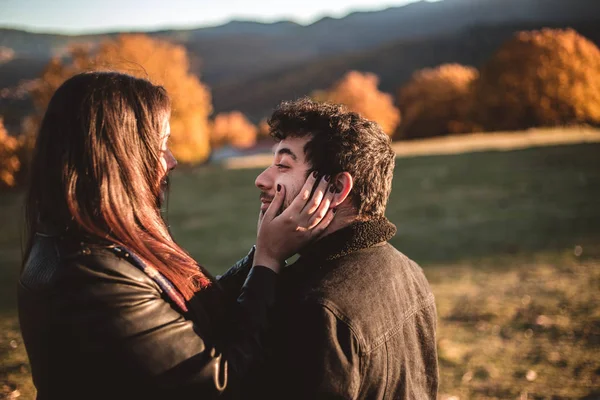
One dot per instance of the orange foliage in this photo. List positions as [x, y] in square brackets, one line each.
[263, 129]
[540, 78]
[161, 62]
[56, 72]
[6, 54]
[359, 92]
[9, 160]
[234, 129]
[436, 101]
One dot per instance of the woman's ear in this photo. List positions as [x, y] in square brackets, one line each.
[343, 186]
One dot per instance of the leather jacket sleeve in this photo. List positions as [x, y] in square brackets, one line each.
[120, 323]
[233, 279]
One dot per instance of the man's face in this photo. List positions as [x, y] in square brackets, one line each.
[289, 169]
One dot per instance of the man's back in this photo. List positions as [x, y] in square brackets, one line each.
[355, 319]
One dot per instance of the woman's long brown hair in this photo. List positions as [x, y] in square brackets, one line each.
[96, 171]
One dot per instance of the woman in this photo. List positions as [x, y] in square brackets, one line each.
[110, 306]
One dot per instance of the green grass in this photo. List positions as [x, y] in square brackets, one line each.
[519, 313]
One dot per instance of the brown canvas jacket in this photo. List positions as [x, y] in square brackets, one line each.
[355, 319]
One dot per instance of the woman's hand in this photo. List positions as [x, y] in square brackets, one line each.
[282, 236]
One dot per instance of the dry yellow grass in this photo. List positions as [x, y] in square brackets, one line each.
[510, 242]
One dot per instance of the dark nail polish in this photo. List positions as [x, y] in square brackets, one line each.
[338, 190]
[334, 210]
[327, 178]
[278, 187]
[332, 188]
[315, 174]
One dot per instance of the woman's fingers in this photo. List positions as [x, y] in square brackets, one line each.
[275, 205]
[281, 236]
[300, 200]
[319, 194]
[323, 207]
[306, 210]
[323, 224]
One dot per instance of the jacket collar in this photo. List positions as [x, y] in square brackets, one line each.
[357, 236]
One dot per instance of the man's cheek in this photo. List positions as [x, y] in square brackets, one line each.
[285, 204]
[291, 193]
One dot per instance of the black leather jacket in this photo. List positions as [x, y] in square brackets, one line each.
[97, 327]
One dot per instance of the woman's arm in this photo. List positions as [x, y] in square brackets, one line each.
[117, 318]
[232, 280]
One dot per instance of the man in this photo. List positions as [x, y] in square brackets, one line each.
[355, 318]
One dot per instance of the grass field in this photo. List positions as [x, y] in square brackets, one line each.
[510, 242]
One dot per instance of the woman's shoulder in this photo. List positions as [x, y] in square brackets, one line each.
[54, 261]
[108, 263]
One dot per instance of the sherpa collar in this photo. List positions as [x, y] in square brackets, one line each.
[357, 236]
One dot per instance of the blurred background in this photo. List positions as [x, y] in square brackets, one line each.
[493, 107]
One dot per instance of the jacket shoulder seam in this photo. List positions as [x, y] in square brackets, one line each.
[332, 308]
[386, 336]
[101, 256]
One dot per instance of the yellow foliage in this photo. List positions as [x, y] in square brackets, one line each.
[436, 101]
[540, 78]
[358, 91]
[9, 160]
[263, 129]
[161, 62]
[234, 129]
[6, 54]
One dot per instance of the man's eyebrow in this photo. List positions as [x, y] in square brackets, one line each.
[285, 150]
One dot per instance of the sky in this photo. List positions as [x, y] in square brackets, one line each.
[91, 16]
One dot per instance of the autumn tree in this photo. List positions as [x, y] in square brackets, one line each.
[540, 78]
[233, 129]
[436, 101]
[264, 130]
[6, 54]
[161, 62]
[359, 92]
[9, 160]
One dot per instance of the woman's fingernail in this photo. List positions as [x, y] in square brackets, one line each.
[332, 188]
[338, 190]
[315, 174]
[334, 210]
[278, 187]
[327, 178]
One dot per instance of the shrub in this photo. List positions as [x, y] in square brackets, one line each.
[161, 62]
[540, 78]
[436, 101]
[358, 91]
[232, 129]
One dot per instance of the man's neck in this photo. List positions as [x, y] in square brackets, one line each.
[349, 234]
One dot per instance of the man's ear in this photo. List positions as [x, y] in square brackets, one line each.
[343, 184]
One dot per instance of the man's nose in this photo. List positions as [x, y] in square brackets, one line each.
[264, 181]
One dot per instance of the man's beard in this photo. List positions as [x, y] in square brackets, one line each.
[265, 197]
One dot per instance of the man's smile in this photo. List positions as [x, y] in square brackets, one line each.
[265, 200]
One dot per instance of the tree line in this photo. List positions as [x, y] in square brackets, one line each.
[548, 77]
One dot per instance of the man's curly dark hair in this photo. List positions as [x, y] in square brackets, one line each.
[341, 140]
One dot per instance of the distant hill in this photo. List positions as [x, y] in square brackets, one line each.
[393, 62]
[241, 50]
[252, 65]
